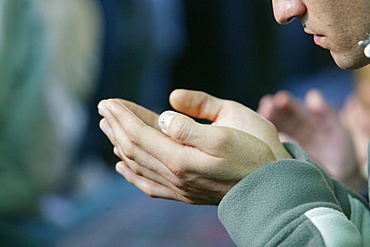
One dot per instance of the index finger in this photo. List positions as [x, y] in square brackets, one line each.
[147, 116]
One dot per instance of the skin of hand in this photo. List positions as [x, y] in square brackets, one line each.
[355, 116]
[316, 127]
[177, 158]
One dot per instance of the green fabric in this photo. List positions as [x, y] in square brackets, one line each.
[267, 208]
[330, 223]
[361, 217]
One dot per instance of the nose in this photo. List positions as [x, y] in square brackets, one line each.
[286, 10]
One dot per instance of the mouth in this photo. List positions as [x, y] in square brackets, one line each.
[319, 39]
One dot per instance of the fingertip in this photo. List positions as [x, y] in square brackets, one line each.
[265, 98]
[315, 101]
[114, 105]
[177, 94]
[179, 99]
[117, 152]
[164, 120]
[102, 107]
[178, 126]
[121, 167]
[265, 106]
[101, 103]
[272, 105]
[315, 93]
[176, 91]
[104, 126]
[283, 99]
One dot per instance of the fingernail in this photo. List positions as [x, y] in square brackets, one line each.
[120, 167]
[101, 107]
[105, 127]
[164, 120]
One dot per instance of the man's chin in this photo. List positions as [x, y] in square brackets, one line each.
[350, 62]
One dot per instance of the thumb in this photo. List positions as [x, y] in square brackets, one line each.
[196, 104]
[185, 130]
[213, 140]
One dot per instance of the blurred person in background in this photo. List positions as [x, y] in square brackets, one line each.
[49, 62]
[332, 128]
[355, 116]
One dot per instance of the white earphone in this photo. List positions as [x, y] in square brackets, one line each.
[366, 44]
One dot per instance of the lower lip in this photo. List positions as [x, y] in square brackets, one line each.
[318, 39]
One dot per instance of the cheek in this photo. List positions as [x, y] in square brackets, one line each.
[344, 39]
[345, 50]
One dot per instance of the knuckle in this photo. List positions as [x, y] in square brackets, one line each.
[135, 140]
[180, 173]
[149, 191]
[136, 137]
[130, 179]
[152, 195]
[128, 151]
[179, 184]
[223, 141]
[135, 169]
[180, 130]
